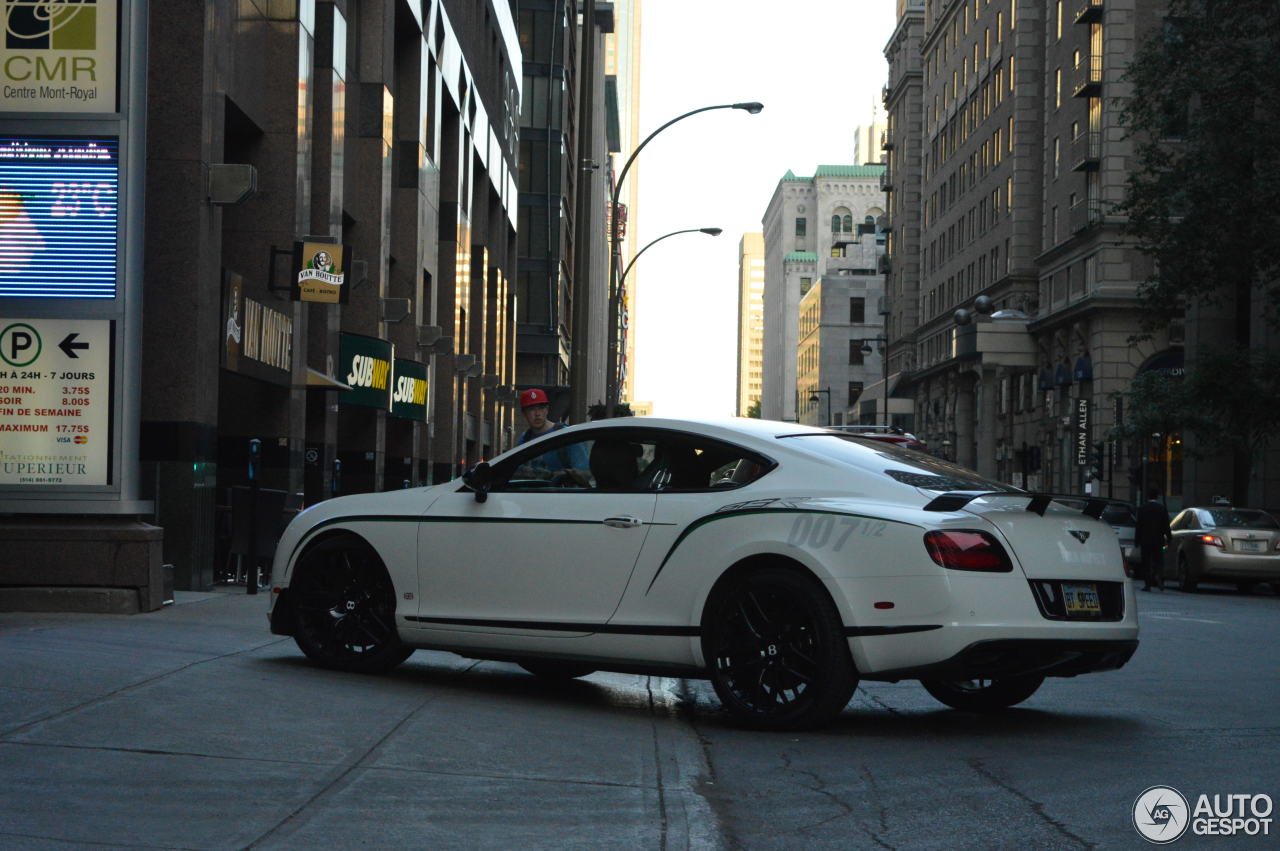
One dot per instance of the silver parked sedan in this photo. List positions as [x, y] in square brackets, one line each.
[1225, 544]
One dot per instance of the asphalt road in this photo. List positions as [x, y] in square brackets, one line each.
[194, 727]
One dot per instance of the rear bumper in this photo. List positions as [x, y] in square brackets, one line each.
[1013, 657]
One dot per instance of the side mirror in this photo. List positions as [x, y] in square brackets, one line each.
[479, 478]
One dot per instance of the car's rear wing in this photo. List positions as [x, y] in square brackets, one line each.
[1038, 502]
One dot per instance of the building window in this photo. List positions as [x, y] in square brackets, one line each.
[857, 310]
[800, 227]
[855, 390]
[1057, 155]
[855, 352]
[1057, 87]
[806, 284]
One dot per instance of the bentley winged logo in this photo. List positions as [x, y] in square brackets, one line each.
[1079, 535]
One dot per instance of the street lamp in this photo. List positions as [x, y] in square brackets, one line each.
[611, 376]
[709, 231]
[884, 369]
[813, 400]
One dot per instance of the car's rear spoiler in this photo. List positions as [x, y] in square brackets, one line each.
[956, 500]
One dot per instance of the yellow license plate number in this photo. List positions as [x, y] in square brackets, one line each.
[1081, 599]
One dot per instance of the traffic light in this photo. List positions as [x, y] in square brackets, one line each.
[1098, 460]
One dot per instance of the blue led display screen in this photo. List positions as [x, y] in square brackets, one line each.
[58, 216]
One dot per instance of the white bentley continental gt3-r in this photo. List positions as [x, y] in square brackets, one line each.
[782, 562]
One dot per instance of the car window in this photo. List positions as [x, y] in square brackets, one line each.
[904, 465]
[1240, 518]
[1119, 515]
[693, 463]
[598, 463]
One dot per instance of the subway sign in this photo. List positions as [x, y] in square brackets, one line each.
[409, 390]
[364, 363]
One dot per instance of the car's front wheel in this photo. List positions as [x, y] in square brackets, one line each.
[983, 695]
[776, 651]
[345, 609]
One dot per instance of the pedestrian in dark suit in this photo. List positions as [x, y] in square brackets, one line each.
[1152, 534]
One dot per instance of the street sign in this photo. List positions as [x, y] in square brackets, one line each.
[320, 272]
[59, 56]
[55, 401]
[365, 364]
[409, 390]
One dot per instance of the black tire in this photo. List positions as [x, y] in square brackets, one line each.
[776, 650]
[983, 695]
[345, 608]
[1186, 580]
[554, 669]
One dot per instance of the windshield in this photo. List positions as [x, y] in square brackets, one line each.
[1241, 518]
[903, 465]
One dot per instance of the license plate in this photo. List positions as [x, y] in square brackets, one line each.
[1081, 599]
[1251, 546]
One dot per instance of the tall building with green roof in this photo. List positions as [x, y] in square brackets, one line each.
[822, 232]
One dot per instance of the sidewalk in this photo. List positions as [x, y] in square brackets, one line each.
[195, 727]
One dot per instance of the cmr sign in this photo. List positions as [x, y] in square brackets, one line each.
[58, 55]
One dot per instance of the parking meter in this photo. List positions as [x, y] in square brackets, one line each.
[336, 483]
[255, 456]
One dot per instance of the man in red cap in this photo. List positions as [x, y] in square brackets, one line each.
[566, 463]
[535, 406]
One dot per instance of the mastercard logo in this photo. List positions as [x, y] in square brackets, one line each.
[80, 438]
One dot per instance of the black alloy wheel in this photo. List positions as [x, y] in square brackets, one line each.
[555, 669]
[776, 650]
[345, 608]
[983, 695]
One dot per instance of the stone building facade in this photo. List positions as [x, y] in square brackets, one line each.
[750, 360]
[813, 227]
[386, 126]
[1021, 161]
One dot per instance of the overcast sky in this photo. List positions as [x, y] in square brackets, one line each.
[817, 66]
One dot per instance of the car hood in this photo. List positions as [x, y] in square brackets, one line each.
[1064, 543]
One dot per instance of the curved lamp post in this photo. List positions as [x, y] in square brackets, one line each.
[615, 280]
[708, 231]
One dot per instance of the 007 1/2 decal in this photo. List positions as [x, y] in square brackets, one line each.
[819, 531]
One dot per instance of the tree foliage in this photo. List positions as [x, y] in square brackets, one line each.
[753, 410]
[1225, 401]
[1204, 197]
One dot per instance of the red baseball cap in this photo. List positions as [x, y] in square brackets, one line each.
[529, 398]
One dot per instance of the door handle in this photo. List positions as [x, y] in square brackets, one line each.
[625, 522]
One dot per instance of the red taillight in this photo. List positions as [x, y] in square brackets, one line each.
[1212, 540]
[967, 550]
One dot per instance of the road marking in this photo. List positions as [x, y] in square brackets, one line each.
[1171, 616]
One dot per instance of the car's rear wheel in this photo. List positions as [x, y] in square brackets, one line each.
[345, 608]
[776, 650]
[983, 695]
[1187, 581]
[553, 669]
